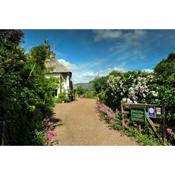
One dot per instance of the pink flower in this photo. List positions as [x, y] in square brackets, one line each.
[169, 131]
[105, 110]
[51, 136]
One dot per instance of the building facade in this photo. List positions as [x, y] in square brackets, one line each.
[62, 73]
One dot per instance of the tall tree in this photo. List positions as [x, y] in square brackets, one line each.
[25, 92]
[165, 73]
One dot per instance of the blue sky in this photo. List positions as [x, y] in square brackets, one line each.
[91, 53]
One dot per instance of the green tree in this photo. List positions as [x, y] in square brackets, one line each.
[25, 92]
[103, 92]
[80, 91]
[165, 80]
[99, 84]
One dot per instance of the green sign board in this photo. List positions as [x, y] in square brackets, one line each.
[138, 115]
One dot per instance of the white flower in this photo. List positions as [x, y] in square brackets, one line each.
[129, 101]
[124, 100]
[154, 93]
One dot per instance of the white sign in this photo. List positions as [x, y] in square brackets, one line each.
[158, 111]
[151, 112]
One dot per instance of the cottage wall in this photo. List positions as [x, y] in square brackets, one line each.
[61, 72]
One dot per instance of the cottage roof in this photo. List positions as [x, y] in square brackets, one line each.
[57, 66]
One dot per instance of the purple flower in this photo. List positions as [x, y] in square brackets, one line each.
[102, 108]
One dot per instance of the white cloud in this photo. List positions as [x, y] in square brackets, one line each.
[87, 71]
[120, 69]
[116, 34]
[148, 70]
[90, 75]
[134, 35]
[130, 46]
[68, 64]
[106, 34]
[80, 72]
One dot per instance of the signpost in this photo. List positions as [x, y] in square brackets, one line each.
[138, 115]
[141, 112]
[158, 111]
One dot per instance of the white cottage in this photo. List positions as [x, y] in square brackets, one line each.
[62, 73]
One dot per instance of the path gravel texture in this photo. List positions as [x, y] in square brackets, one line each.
[82, 126]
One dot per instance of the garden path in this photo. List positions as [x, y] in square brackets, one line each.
[82, 126]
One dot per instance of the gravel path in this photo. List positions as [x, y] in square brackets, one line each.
[82, 126]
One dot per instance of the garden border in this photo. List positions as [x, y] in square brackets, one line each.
[144, 107]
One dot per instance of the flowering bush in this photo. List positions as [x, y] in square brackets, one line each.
[50, 135]
[108, 112]
[131, 87]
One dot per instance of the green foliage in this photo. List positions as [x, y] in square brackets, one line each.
[62, 97]
[165, 80]
[132, 86]
[70, 95]
[102, 91]
[25, 92]
[140, 87]
[38, 55]
[39, 137]
[85, 93]
[99, 84]
[172, 139]
[145, 137]
[89, 94]
[117, 122]
[80, 91]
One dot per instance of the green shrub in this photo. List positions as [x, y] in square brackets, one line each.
[165, 81]
[26, 93]
[81, 91]
[146, 137]
[89, 94]
[62, 97]
[99, 84]
[39, 137]
[133, 86]
[70, 95]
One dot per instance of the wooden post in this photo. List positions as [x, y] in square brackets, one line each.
[122, 111]
[153, 127]
[163, 123]
[140, 128]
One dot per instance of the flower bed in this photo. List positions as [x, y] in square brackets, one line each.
[50, 135]
[114, 120]
[139, 87]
